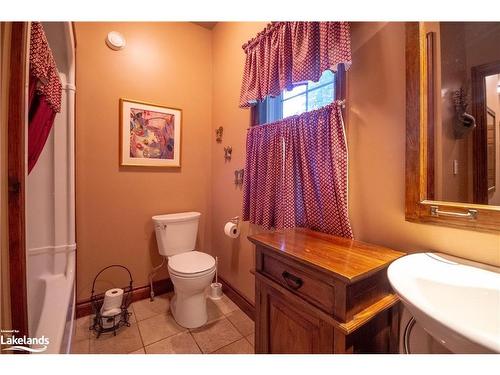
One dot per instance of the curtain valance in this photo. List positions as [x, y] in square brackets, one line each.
[43, 67]
[45, 93]
[289, 52]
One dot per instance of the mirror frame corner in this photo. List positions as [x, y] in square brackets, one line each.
[419, 208]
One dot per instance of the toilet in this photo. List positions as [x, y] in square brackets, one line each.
[191, 271]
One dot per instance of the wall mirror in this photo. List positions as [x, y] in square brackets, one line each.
[453, 124]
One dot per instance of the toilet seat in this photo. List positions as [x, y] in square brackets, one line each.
[191, 264]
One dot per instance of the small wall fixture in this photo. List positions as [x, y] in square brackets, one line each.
[218, 134]
[238, 177]
[227, 153]
[465, 122]
[115, 40]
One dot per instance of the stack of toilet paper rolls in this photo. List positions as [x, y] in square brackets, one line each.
[111, 307]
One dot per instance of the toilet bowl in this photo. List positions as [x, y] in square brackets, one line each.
[191, 271]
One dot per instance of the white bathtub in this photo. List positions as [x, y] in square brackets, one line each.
[52, 302]
[50, 213]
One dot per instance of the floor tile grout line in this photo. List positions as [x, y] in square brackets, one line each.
[224, 316]
[220, 318]
[232, 342]
[138, 329]
[155, 314]
[87, 329]
[140, 334]
[211, 321]
[241, 333]
[152, 316]
[196, 342]
[167, 337]
[246, 338]
[229, 312]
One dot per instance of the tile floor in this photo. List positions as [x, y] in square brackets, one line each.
[153, 330]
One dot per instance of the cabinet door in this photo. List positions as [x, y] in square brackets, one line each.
[282, 328]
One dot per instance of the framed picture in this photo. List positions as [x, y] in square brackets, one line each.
[150, 134]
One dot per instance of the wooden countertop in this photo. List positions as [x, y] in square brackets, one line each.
[346, 259]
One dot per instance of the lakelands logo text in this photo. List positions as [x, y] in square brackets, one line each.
[22, 343]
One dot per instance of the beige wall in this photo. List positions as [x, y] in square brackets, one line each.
[236, 256]
[376, 137]
[163, 63]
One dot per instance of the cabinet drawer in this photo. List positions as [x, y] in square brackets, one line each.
[302, 283]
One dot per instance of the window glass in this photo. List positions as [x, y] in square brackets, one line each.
[320, 97]
[294, 106]
[309, 96]
[326, 77]
[299, 89]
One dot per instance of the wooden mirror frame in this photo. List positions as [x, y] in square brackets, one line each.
[419, 152]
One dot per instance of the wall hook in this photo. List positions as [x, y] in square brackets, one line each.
[218, 134]
[238, 177]
[227, 153]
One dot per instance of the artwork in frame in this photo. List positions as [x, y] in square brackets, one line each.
[150, 134]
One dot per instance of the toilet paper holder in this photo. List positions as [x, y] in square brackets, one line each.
[235, 220]
[118, 319]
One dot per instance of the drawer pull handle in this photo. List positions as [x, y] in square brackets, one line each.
[292, 281]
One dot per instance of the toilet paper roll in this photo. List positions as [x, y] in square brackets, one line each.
[112, 299]
[111, 318]
[231, 230]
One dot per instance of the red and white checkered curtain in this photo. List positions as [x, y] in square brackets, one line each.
[289, 52]
[43, 68]
[296, 173]
[45, 93]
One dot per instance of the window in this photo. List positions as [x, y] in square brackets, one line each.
[309, 95]
[304, 97]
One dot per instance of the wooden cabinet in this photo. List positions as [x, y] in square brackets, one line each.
[288, 328]
[317, 293]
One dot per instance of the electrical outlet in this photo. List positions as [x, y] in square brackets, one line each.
[455, 167]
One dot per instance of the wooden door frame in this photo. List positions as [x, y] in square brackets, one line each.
[480, 165]
[16, 169]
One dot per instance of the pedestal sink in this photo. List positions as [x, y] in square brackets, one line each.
[455, 300]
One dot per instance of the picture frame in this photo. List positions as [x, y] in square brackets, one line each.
[150, 134]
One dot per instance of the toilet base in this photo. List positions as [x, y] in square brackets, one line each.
[189, 311]
[189, 304]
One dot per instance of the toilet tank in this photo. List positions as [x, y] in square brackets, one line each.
[176, 233]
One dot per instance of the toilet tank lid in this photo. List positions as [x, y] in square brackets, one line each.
[177, 217]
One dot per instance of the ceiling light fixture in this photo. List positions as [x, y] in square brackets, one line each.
[115, 40]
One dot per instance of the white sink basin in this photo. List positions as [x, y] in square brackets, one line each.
[455, 300]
